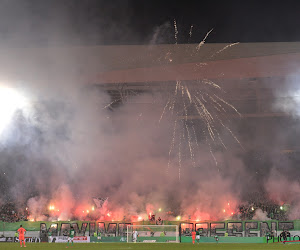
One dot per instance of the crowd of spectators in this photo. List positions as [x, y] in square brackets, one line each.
[9, 213]
[272, 211]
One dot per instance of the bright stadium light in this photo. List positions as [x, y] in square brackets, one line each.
[10, 102]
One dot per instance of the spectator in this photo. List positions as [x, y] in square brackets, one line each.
[159, 221]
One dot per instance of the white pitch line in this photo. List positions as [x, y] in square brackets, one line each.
[118, 248]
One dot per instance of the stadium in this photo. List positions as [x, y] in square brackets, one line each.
[151, 144]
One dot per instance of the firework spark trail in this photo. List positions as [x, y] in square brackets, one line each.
[172, 144]
[217, 103]
[191, 31]
[211, 83]
[214, 101]
[211, 152]
[190, 144]
[172, 106]
[204, 39]
[122, 98]
[220, 138]
[176, 31]
[207, 114]
[162, 114]
[228, 104]
[184, 106]
[202, 97]
[232, 134]
[188, 93]
[195, 135]
[179, 157]
[207, 120]
[187, 128]
[177, 86]
[217, 108]
[182, 91]
[205, 104]
[210, 149]
[221, 50]
[108, 105]
[198, 100]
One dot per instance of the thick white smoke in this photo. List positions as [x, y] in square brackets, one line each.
[66, 149]
[260, 215]
[282, 183]
[76, 150]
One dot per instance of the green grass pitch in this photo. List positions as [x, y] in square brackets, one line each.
[155, 246]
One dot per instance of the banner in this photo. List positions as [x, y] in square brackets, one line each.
[8, 239]
[76, 239]
[16, 239]
[3, 239]
[81, 239]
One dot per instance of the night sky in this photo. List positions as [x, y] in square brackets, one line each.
[39, 23]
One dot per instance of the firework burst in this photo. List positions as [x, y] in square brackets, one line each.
[199, 112]
[197, 108]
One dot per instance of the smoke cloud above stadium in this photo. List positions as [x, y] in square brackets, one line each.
[66, 149]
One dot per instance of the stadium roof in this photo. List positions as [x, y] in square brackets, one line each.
[250, 73]
[185, 62]
[140, 63]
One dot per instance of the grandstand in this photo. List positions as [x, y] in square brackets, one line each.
[250, 74]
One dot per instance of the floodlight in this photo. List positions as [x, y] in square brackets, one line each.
[10, 102]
